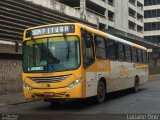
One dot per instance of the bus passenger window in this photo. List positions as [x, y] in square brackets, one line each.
[100, 47]
[121, 54]
[144, 56]
[111, 50]
[139, 55]
[134, 54]
[88, 52]
[128, 53]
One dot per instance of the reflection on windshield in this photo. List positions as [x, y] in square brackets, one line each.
[51, 54]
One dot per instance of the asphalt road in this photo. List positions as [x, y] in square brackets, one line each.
[119, 104]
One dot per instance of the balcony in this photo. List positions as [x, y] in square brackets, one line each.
[132, 25]
[99, 3]
[111, 16]
[133, 2]
[139, 17]
[140, 5]
[111, 2]
[132, 13]
[94, 15]
[139, 29]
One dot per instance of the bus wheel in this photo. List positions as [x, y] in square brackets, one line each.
[101, 92]
[136, 85]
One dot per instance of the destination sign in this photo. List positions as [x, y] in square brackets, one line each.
[50, 30]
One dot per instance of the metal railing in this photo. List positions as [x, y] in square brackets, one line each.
[110, 19]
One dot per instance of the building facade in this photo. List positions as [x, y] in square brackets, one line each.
[152, 27]
[125, 15]
[152, 21]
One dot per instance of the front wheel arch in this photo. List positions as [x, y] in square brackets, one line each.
[136, 84]
[101, 90]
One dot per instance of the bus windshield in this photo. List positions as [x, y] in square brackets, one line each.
[51, 54]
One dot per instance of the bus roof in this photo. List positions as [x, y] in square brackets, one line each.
[113, 37]
[96, 31]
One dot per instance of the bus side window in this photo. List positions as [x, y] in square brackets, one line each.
[147, 57]
[100, 47]
[111, 49]
[139, 56]
[144, 56]
[88, 51]
[128, 53]
[121, 55]
[134, 54]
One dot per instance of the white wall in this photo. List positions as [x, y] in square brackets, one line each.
[121, 15]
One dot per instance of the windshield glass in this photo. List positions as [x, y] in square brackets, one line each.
[51, 54]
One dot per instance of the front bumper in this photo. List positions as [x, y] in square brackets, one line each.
[37, 93]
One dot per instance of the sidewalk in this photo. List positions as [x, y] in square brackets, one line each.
[12, 99]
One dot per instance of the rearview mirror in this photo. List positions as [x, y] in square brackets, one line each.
[88, 42]
[87, 38]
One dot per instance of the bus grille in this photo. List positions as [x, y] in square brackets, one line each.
[49, 79]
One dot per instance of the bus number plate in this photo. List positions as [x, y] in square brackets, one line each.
[48, 94]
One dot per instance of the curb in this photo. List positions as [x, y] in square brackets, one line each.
[154, 76]
[18, 99]
[16, 103]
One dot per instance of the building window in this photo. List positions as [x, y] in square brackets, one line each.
[152, 13]
[139, 29]
[132, 13]
[111, 2]
[152, 26]
[132, 2]
[151, 2]
[132, 25]
[139, 17]
[147, 26]
[110, 16]
[139, 5]
[153, 39]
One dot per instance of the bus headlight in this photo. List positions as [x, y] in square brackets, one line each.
[74, 83]
[27, 86]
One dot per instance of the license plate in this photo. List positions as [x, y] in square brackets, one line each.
[48, 94]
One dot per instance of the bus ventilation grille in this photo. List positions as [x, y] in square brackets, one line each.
[49, 79]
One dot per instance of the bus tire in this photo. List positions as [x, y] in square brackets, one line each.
[136, 85]
[101, 92]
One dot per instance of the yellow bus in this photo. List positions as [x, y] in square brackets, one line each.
[72, 60]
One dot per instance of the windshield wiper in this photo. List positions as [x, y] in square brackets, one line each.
[68, 46]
